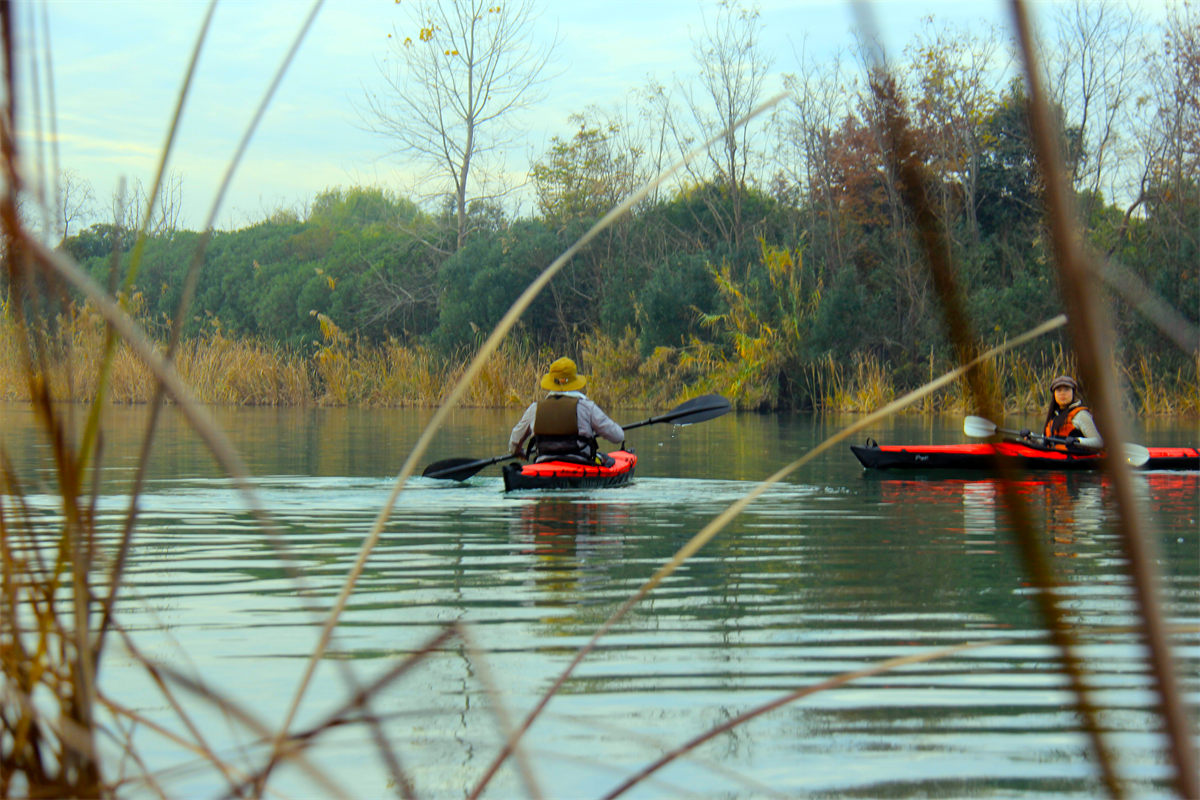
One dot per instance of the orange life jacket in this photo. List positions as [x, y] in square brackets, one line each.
[1062, 424]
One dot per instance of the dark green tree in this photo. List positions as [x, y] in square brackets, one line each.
[483, 279]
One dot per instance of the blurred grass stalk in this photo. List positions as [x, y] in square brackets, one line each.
[1092, 337]
[1091, 342]
[47, 735]
[49, 659]
[51, 579]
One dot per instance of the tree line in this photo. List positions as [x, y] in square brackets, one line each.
[788, 246]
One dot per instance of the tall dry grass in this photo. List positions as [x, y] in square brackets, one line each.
[53, 583]
[342, 371]
[229, 370]
[348, 372]
[222, 369]
[1160, 394]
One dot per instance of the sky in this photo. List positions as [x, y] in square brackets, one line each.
[118, 67]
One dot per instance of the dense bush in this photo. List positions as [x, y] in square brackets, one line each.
[827, 273]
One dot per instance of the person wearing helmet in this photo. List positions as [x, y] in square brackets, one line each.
[564, 425]
[1068, 418]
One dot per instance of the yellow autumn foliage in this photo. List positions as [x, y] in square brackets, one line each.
[745, 364]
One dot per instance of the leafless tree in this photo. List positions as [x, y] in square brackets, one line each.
[733, 71]
[656, 118]
[957, 75]
[1174, 146]
[130, 205]
[75, 202]
[806, 128]
[1169, 138]
[454, 84]
[642, 128]
[1095, 71]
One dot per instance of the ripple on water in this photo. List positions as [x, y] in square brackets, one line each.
[810, 582]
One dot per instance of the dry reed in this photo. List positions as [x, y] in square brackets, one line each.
[342, 371]
[47, 651]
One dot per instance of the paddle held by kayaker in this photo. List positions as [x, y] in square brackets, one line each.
[564, 425]
[1068, 418]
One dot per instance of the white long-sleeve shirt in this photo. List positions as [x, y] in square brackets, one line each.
[590, 420]
[1087, 426]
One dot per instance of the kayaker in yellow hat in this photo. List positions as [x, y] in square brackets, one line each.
[1068, 418]
[563, 425]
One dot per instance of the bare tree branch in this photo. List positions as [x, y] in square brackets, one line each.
[452, 90]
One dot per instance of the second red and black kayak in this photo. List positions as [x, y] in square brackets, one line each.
[568, 475]
[985, 455]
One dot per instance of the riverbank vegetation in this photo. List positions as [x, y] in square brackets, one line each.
[341, 370]
[787, 276]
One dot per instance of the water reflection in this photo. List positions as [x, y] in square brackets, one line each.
[829, 572]
[1071, 509]
[573, 544]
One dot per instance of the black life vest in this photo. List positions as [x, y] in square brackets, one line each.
[556, 431]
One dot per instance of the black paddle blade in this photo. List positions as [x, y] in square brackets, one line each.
[458, 469]
[698, 409]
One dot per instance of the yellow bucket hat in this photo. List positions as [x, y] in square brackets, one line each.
[562, 377]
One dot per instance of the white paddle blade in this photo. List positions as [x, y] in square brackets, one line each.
[1136, 455]
[978, 427]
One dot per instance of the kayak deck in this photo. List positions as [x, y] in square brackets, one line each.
[567, 475]
[985, 455]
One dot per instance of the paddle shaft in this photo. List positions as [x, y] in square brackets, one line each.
[978, 426]
[1038, 436]
[459, 469]
[1135, 454]
[698, 409]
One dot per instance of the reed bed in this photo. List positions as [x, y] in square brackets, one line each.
[53, 586]
[224, 369]
[864, 386]
[1160, 394]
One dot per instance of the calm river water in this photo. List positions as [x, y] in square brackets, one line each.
[830, 572]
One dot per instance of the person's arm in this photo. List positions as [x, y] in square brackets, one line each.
[521, 431]
[600, 422]
[1091, 434]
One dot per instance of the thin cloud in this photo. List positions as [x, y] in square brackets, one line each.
[118, 67]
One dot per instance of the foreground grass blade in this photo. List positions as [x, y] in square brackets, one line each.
[1091, 332]
[729, 514]
[473, 369]
[890, 665]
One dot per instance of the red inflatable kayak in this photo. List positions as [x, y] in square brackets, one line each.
[568, 475]
[984, 455]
